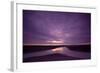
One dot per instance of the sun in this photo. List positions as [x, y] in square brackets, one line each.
[56, 41]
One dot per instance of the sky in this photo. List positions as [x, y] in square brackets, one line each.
[49, 27]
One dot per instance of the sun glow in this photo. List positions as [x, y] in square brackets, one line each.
[56, 41]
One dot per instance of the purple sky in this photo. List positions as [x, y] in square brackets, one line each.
[43, 26]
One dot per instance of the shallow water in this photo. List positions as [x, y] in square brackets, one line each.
[44, 53]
